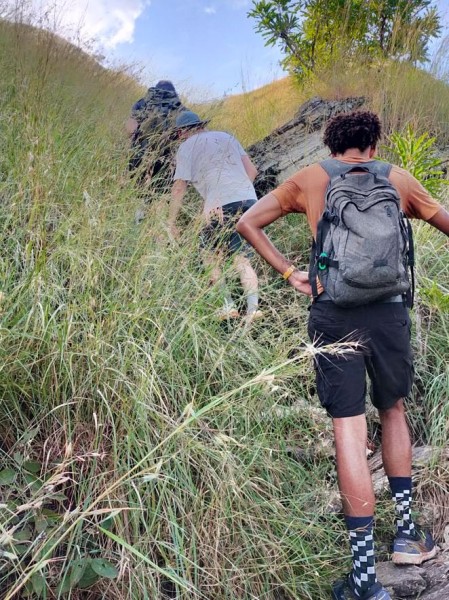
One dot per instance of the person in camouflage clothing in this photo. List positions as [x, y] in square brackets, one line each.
[151, 129]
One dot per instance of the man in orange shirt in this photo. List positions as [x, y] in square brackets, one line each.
[383, 327]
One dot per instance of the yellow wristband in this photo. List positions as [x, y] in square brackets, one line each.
[289, 271]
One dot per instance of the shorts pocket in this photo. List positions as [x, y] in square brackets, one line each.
[325, 328]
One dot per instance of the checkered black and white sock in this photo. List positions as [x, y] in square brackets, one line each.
[401, 489]
[362, 546]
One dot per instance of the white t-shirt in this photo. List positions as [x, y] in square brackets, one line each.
[212, 162]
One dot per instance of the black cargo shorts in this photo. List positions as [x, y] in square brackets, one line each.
[223, 236]
[378, 335]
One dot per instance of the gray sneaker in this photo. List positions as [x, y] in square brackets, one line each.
[413, 549]
[342, 590]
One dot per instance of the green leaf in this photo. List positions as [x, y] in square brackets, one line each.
[38, 583]
[24, 535]
[416, 154]
[77, 568]
[89, 578]
[7, 476]
[436, 297]
[27, 590]
[58, 497]
[104, 568]
[46, 546]
[107, 523]
[166, 572]
[33, 482]
[20, 549]
[32, 466]
[51, 515]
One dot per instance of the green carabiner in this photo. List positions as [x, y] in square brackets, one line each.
[322, 267]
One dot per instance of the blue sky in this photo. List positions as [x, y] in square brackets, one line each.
[208, 48]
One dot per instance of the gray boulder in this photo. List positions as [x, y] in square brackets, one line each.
[428, 582]
[297, 143]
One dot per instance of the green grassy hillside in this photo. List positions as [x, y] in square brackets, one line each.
[147, 450]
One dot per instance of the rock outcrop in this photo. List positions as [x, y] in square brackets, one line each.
[297, 143]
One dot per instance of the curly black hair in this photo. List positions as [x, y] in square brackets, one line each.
[356, 129]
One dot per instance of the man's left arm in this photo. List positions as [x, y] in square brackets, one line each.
[178, 191]
[441, 221]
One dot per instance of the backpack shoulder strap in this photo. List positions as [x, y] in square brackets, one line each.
[335, 168]
[379, 168]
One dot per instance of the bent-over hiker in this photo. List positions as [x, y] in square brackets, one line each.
[343, 312]
[222, 173]
[152, 133]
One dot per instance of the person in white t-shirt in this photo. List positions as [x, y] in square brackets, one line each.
[215, 163]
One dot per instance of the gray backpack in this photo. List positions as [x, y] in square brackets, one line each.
[364, 245]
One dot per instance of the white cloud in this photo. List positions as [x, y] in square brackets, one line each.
[210, 10]
[106, 22]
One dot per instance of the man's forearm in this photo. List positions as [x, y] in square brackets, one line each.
[263, 246]
[177, 195]
[441, 221]
[251, 225]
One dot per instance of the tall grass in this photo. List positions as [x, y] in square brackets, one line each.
[400, 92]
[132, 425]
[149, 451]
[256, 114]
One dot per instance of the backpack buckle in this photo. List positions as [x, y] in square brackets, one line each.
[323, 261]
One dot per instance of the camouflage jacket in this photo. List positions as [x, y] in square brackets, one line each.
[156, 112]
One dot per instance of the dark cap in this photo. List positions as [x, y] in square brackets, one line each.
[166, 85]
[187, 119]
